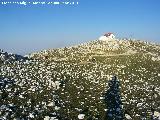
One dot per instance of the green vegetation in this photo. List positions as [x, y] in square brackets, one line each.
[70, 81]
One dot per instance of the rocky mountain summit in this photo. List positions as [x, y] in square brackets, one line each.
[101, 79]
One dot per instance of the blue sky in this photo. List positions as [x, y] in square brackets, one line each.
[25, 29]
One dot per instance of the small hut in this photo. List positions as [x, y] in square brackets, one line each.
[107, 36]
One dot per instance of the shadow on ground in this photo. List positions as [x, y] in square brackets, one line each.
[113, 101]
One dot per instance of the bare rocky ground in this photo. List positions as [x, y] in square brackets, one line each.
[74, 82]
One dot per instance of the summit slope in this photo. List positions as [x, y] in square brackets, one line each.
[89, 66]
[73, 81]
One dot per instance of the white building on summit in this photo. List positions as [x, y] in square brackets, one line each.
[107, 36]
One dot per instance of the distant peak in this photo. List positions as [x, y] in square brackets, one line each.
[1, 50]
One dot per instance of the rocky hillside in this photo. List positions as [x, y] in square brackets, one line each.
[27, 88]
[77, 82]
